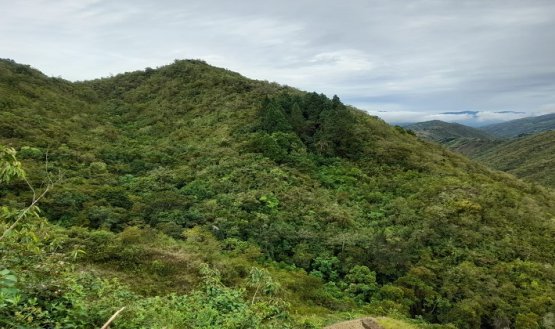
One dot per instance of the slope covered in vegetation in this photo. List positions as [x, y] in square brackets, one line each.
[445, 132]
[343, 211]
[456, 137]
[530, 157]
[524, 126]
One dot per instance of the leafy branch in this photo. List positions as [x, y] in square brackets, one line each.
[10, 168]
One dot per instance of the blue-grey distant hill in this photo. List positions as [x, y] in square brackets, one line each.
[524, 126]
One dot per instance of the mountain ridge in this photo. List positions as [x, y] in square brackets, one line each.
[500, 152]
[530, 157]
[444, 132]
[524, 126]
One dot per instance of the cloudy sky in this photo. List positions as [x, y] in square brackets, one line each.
[404, 60]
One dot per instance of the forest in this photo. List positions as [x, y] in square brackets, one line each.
[197, 198]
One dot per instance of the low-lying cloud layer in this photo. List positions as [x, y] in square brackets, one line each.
[471, 118]
[405, 57]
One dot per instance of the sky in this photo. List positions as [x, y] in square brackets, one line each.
[470, 61]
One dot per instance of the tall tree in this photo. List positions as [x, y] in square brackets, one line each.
[272, 118]
[297, 119]
[336, 136]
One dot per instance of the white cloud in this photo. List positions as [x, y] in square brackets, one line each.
[474, 119]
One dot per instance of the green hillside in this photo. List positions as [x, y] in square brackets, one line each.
[529, 157]
[198, 198]
[455, 136]
[524, 126]
[447, 133]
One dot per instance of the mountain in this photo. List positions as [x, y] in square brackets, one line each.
[530, 157]
[444, 132]
[197, 197]
[525, 126]
[447, 133]
[455, 136]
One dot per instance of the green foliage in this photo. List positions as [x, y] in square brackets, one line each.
[87, 301]
[9, 294]
[361, 283]
[323, 125]
[56, 294]
[326, 268]
[272, 118]
[10, 168]
[261, 281]
[27, 152]
[279, 146]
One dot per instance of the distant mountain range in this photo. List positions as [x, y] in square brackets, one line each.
[524, 147]
[446, 133]
[514, 128]
[476, 119]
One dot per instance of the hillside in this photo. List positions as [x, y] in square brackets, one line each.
[530, 157]
[445, 132]
[524, 126]
[457, 137]
[202, 192]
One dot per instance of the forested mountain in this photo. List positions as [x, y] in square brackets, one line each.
[455, 136]
[217, 201]
[524, 126]
[530, 157]
[445, 132]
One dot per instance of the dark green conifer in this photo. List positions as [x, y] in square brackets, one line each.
[272, 118]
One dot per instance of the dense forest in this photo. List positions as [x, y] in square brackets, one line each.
[197, 198]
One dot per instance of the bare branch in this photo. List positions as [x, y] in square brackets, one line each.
[107, 324]
[49, 184]
[24, 212]
[31, 188]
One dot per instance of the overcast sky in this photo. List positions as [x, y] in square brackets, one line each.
[408, 60]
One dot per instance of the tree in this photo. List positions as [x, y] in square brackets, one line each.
[335, 136]
[273, 119]
[261, 281]
[326, 268]
[362, 283]
[297, 119]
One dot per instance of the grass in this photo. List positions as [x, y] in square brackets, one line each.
[392, 323]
